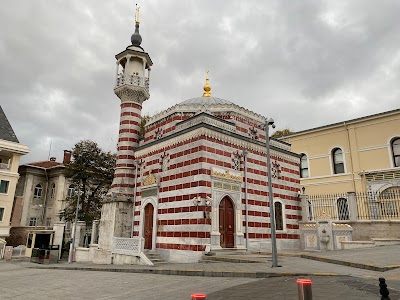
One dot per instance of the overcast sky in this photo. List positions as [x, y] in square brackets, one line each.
[303, 63]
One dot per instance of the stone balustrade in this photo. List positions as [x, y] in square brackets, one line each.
[5, 167]
[127, 246]
[123, 79]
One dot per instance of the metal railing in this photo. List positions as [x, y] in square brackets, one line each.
[127, 246]
[18, 251]
[5, 166]
[354, 206]
[123, 79]
[378, 206]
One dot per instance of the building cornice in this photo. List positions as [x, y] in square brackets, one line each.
[13, 147]
[215, 108]
[343, 123]
[216, 133]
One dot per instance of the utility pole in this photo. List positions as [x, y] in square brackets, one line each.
[270, 122]
[72, 244]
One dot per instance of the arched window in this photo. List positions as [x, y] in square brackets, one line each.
[343, 209]
[338, 162]
[71, 190]
[396, 152]
[278, 216]
[304, 166]
[37, 193]
[53, 191]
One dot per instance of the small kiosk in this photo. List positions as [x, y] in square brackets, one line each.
[39, 246]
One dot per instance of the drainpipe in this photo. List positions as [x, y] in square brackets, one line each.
[45, 197]
[245, 197]
[351, 156]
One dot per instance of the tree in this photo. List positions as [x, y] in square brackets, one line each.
[142, 130]
[91, 172]
[280, 133]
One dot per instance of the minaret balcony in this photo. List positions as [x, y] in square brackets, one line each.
[133, 80]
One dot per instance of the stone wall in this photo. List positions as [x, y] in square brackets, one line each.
[365, 230]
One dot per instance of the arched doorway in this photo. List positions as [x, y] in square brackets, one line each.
[148, 226]
[227, 223]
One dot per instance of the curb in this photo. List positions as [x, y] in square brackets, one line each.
[351, 264]
[234, 259]
[215, 273]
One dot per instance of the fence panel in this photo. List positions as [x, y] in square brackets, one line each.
[333, 205]
[370, 206]
[18, 251]
[379, 206]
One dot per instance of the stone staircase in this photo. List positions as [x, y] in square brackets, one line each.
[155, 258]
[234, 256]
[374, 242]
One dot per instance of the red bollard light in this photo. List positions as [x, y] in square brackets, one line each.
[198, 296]
[305, 292]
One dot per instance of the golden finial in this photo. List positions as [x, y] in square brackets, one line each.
[137, 17]
[207, 87]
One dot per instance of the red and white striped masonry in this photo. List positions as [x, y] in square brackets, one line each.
[128, 141]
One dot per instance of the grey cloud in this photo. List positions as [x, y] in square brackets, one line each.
[304, 63]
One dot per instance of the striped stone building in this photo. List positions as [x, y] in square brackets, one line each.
[196, 174]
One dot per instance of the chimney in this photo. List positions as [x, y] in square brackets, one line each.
[67, 157]
[52, 159]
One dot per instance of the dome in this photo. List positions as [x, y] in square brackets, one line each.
[136, 38]
[208, 101]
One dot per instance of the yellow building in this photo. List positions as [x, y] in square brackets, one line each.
[10, 152]
[358, 155]
[350, 172]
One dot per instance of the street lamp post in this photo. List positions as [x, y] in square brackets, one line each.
[270, 122]
[72, 244]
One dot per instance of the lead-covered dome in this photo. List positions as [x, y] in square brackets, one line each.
[208, 101]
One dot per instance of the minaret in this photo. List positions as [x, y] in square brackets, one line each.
[132, 87]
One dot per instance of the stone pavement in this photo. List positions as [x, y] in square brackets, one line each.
[330, 281]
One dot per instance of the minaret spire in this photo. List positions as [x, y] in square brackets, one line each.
[137, 21]
[136, 38]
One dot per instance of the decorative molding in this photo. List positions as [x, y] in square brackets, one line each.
[208, 119]
[226, 186]
[150, 180]
[338, 225]
[226, 174]
[130, 94]
[323, 215]
[216, 135]
[276, 170]
[373, 148]
[217, 107]
[164, 161]
[306, 226]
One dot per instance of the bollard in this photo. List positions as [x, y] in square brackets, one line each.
[198, 296]
[383, 291]
[305, 292]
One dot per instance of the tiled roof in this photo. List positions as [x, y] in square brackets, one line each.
[44, 164]
[6, 131]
